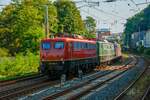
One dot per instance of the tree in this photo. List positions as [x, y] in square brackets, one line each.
[90, 24]
[7, 36]
[69, 17]
[22, 24]
[139, 22]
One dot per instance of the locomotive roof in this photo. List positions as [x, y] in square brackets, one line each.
[68, 39]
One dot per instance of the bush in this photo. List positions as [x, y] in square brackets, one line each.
[19, 65]
[147, 51]
[140, 49]
[4, 52]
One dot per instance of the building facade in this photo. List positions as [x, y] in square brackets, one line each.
[147, 39]
[102, 33]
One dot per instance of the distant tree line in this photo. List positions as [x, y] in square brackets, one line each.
[22, 23]
[139, 22]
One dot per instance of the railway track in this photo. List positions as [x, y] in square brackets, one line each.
[146, 95]
[10, 82]
[22, 86]
[125, 91]
[25, 86]
[55, 88]
[120, 96]
[83, 88]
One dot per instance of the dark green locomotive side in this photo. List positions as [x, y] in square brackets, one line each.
[105, 51]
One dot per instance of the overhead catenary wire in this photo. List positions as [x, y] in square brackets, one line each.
[111, 14]
[143, 3]
[133, 2]
[97, 17]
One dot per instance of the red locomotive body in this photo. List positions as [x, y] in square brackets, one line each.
[64, 55]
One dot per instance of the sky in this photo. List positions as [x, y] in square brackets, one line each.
[111, 15]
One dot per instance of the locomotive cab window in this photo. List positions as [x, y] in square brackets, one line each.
[46, 45]
[77, 45]
[59, 45]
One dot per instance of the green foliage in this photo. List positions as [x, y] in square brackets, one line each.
[19, 65]
[90, 24]
[90, 35]
[22, 25]
[3, 52]
[69, 17]
[139, 22]
[147, 52]
[134, 23]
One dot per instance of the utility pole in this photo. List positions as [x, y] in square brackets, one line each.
[46, 22]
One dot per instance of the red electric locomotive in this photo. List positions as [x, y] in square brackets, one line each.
[63, 55]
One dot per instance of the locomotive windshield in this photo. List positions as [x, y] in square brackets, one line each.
[46, 45]
[59, 45]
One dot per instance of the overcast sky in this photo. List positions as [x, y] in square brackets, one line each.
[108, 15]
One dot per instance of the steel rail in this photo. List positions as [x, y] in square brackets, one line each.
[20, 79]
[21, 86]
[55, 95]
[28, 89]
[86, 91]
[68, 90]
[146, 94]
[130, 86]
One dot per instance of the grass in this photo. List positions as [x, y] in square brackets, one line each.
[19, 66]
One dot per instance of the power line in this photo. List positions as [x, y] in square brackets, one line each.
[88, 3]
[100, 10]
[133, 2]
[97, 17]
[143, 3]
